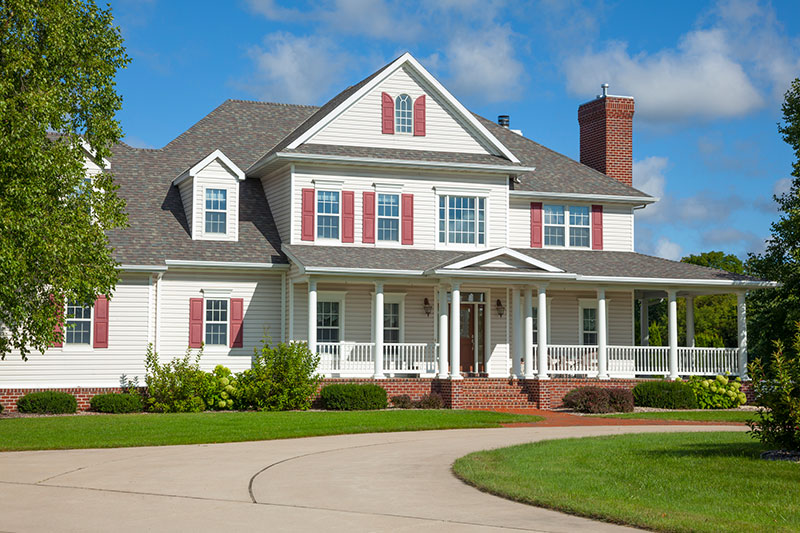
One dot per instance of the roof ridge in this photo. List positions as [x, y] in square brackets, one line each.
[243, 101]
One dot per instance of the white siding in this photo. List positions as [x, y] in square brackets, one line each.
[425, 200]
[500, 356]
[73, 366]
[617, 224]
[278, 189]
[564, 319]
[186, 189]
[262, 313]
[360, 125]
[216, 176]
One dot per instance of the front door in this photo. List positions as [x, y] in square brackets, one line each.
[467, 338]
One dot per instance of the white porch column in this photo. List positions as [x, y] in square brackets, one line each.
[741, 315]
[644, 322]
[312, 315]
[529, 333]
[690, 321]
[602, 334]
[541, 331]
[378, 330]
[673, 333]
[455, 331]
[516, 357]
[443, 330]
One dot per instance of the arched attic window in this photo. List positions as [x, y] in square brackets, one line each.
[403, 114]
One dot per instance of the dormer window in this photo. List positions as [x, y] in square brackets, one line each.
[403, 114]
[216, 211]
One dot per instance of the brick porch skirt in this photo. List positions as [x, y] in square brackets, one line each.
[468, 393]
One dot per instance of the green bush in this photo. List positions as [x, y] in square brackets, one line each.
[176, 386]
[777, 393]
[430, 401]
[717, 393]
[116, 403]
[664, 395]
[282, 378]
[47, 402]
[709, 339]
[353, 397]
[219, 389]
[402, 401]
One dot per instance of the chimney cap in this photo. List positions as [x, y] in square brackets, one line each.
[605, 89]
[504, 120]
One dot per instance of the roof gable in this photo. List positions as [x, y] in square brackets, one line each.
[358, 109]
[198, 167]
[502, 258]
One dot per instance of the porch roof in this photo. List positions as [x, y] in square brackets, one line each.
[578, 265]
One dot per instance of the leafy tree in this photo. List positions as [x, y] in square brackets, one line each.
[772, 314]
[58, 102]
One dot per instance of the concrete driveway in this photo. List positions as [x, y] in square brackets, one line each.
[371, 482]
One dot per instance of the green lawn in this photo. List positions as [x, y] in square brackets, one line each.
[704, 416]
[111, 431]
[711, 482]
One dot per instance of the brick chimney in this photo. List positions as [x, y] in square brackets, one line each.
[607, 135]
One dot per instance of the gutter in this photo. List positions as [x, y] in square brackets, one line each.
[637, 200]
[225, 264]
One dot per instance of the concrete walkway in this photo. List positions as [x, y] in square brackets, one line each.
[371, 482]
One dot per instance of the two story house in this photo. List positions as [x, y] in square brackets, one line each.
[407, 240]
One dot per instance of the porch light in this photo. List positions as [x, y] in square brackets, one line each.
[426, 305]
[500, 309]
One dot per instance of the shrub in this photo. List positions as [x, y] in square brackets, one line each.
[588, 400]
[116, 403]
[777, 390]
[709, 339]
[282, 378]
[402, 401]
[177, 386]
[430, 401]
[664, 395]
[1, 408]
[219, 389]
[717, 393]
[620, 400]
[353, 397]
[49, 402]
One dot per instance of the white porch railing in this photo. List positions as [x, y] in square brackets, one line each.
[626, 361]
[708, 361]
[357, 359]
[569, 360]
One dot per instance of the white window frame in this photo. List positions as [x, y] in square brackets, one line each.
[207, 298]
[225, 211]
[465, 193]
[317, 214]
[567, 227]
[392, 298]
[399, 119]
[378, 217]
[90, 320]
[332, 297]
[590, 303]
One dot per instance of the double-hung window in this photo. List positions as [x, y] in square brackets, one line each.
[589, 326]
[217, 322]
[328, 321]
[216, 211]
[403, 114]
[79, 324]
[567, 226]
[328, 214]
[462, 220]
[389, 217]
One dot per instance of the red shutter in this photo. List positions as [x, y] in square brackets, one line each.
[348, 216]
[195, 322]
[368, 226]
[419, 116]
[597, 227]
[407, 218]
[101, 322]
[58, 329]
[536, 224]
[237, 318]
[387, 113]
[307, 221]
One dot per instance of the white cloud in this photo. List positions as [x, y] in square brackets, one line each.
[374, 18]
[668, 250]
[782, 186]
[297, 69]
[731, 237]
[272, 10]
[648, 176]
[699, 78]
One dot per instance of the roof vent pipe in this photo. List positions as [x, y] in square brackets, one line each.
[503, 120]
[605, 89]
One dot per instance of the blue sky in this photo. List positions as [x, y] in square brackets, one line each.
[708, 78]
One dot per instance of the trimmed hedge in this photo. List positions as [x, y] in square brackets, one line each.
[599, 400]
[353, 397]
[664, 395]
[116, 403]
[47, 402]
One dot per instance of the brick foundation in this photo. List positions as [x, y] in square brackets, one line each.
[468, 393]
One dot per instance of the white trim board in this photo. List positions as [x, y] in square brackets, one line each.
[203, 163]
